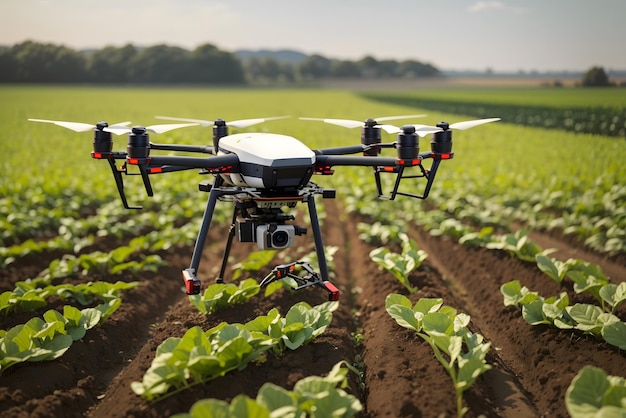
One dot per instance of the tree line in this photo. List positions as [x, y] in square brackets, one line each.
[33, 62]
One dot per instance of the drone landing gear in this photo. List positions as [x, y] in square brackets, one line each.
[307, 194]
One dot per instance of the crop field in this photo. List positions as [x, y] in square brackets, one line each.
[501, 295]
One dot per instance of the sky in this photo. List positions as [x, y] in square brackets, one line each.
[501, 35]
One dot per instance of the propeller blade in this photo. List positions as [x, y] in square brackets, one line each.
[390, 129]
[74, 126]
[243, 123]
[423, 130]
[346, 123]
[157, 129]
[420, 130]
[471, 123]
[77, 126]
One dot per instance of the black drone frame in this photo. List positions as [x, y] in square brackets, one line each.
[138, 154]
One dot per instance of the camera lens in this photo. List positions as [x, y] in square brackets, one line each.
[280, 239]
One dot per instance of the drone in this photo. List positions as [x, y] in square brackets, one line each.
[263, 175]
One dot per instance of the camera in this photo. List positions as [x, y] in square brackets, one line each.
[268, 235]
[275, 236]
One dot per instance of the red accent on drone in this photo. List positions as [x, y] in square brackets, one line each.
[409, 163]
[192, 284]
[155, 170]
[223, 169]
[324, 170]
[333, 292]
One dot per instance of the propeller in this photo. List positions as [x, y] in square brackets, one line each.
[347, 123]
[469, 123]
[423, 130]
[243, 123]
[157, 129]
[84, 127]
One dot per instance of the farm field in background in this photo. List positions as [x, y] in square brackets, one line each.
[509, 193]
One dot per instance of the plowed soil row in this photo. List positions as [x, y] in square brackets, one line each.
[532, 366]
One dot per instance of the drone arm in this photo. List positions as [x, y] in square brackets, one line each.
[183, 148]
[353, 149]
[337, 160]
[176, 163]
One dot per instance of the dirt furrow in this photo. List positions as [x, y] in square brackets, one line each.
[542, 359]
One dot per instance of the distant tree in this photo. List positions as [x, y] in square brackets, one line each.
[47, 63]
[595, 77]
[412, 69]
[314, 67]
[268, 70]
[387, 68]
[369, 67]
[8, 66]
[211, 65]
[161, 64]
[112, 64]
[344, 69]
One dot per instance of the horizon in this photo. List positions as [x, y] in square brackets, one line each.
[503, 36]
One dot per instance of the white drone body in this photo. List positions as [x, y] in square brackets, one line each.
[268, 160]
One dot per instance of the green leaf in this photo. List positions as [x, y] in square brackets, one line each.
[397, 299]
[533, 313]
[202, 365]
[428, 305]
[515, 295]
[585, 395]
[552, 267]
[472, 367]
[406, 317]
[438, 322]
[242, 406]
[613, 294]
[274, 397]
[210, 408]
[615, 334]
[586, 317]
[449, 344]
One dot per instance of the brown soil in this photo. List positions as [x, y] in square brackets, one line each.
[532, 366]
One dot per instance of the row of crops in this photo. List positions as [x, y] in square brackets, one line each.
[607, 118]
[53, 197]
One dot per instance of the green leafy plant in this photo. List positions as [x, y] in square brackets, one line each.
[33, 294]
[593, 393]
[203, 356]
[461, 352]
[518, 244]
[556, 311]
[255, 262]
[50, 337]
[552, 267]
[222, 295]
[312, 396]
[587, 277]
[400, 264]
[378, 233]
